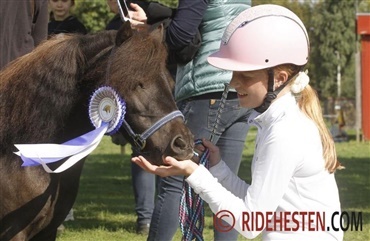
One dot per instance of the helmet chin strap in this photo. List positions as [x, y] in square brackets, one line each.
[271, 93]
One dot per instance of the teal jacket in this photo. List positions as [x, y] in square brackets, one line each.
[197, 77]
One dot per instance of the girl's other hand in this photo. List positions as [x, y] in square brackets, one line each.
[214, 152]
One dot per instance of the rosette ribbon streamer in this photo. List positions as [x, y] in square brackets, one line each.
[106, 111]
[75, 149]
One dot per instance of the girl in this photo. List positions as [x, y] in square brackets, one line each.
[293, 194]
[61, 20]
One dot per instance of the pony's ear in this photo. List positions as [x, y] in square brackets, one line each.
[125, 32]
[157, 31]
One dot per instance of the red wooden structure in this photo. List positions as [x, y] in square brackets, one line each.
[363, 29]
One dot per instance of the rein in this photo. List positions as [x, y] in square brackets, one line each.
[191, 205]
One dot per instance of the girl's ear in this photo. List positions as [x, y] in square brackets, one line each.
[280, 78]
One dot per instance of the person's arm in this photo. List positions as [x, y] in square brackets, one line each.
[185, 23]
[229, 180]
[272, 173]
[182, 34]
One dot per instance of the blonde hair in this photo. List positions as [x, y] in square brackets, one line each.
[309, 103]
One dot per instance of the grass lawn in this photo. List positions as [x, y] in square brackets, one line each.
[104, 210]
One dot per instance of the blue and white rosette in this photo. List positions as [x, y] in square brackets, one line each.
[107, 107]
[106, 112]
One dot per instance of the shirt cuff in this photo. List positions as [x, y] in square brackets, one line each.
[200, 179]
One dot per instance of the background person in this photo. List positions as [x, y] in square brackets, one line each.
[116, 22]
[23, 26]
[61, 20]
[198, 91]
[294, 158]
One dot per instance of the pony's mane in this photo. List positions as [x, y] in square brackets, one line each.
[137, 58]
[38, 90]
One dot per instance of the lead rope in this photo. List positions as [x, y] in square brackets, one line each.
[191, 211]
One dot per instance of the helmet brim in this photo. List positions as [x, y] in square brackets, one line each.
[219, 60]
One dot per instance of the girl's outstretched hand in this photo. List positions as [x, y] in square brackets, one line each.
[173, 168]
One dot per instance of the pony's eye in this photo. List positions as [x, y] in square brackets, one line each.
[140, 85]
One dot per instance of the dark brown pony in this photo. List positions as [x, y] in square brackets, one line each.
[44, 98]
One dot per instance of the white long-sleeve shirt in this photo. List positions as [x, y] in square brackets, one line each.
[288, 179]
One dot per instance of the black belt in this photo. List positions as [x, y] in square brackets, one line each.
[215, 95]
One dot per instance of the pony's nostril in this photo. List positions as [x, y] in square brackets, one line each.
[179, 143]
[180, 148]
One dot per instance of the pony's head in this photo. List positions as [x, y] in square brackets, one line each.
[45, 94]
[138, 71]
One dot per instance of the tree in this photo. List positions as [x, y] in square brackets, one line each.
[333, 41]
[94, 14]
[170, 3]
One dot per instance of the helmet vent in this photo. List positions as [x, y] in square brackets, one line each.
[266, 60]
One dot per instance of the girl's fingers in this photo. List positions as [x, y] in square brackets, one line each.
[171, 161]
[162, 171]
[211, 147]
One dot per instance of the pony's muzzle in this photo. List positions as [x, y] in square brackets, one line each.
[180, 148]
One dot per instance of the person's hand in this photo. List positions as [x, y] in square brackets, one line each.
[137, 13]
[173, 167]
[214, 152]
[139, 26]
[138, 18]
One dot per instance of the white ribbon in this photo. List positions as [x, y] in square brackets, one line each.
[300, 82]
[106, 112]
[76, 149]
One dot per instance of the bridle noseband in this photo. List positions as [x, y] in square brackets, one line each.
[140, 139]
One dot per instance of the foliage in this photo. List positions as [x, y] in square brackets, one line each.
[94, 14]
[363, 6]
[171, 3]
[334, 43]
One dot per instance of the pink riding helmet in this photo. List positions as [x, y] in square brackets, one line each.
[261, 37]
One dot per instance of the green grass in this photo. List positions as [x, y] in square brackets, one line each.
[104, 210]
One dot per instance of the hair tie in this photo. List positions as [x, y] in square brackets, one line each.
[300, 82]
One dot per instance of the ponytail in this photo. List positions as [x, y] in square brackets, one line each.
[309, 103]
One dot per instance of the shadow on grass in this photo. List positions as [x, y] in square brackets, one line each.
[105, 199]
[353, 183]
[98, 224]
